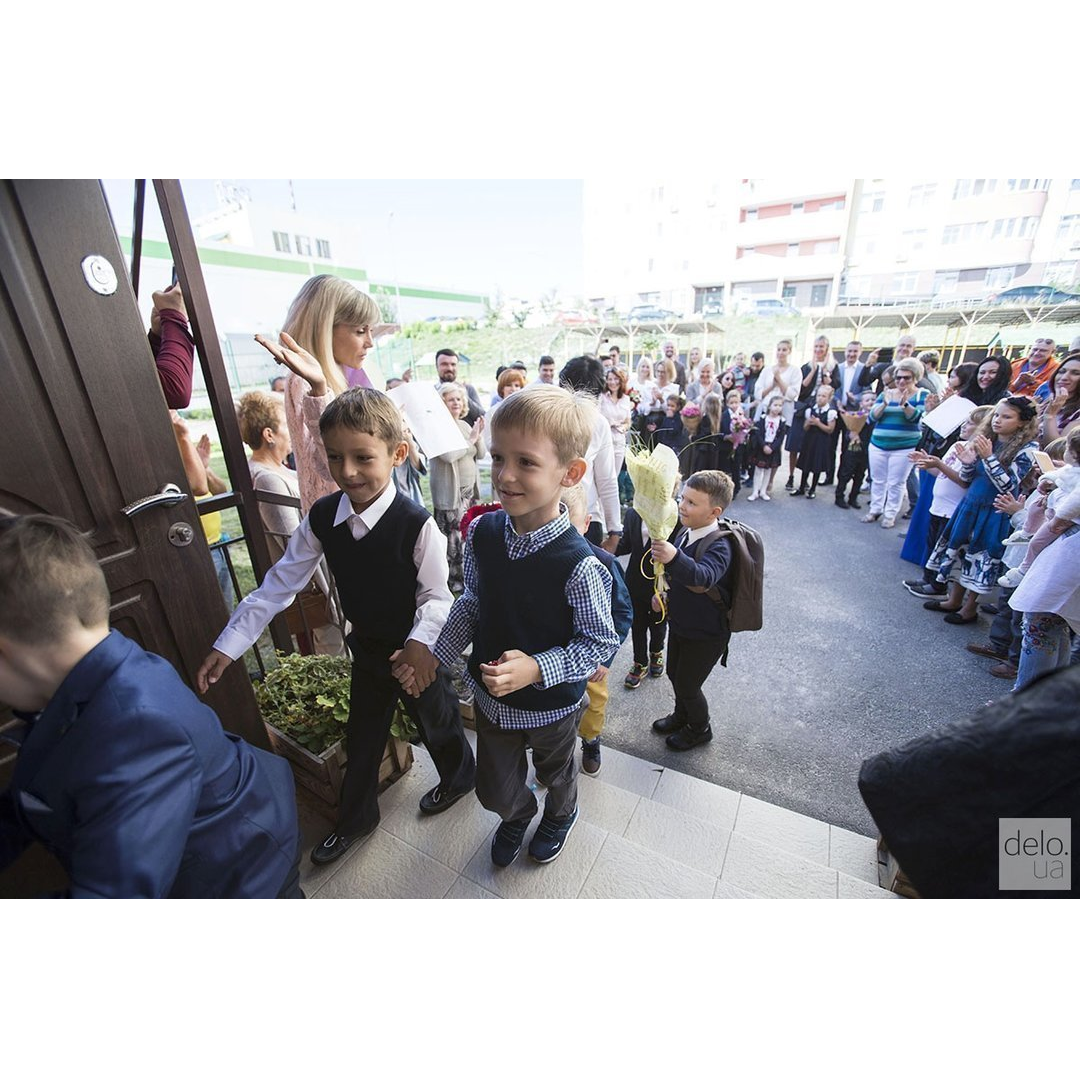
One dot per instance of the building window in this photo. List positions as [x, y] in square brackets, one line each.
[793, 249]
[819, 295]
[999, 277]
[914, 239]
[858, 288]
[836, 204]
[281, 242]
[945, 282]
[1068, 231]
[1022, 228]
[751, 215]
[322, 249]
[1074, 185]
[797, 208]
[1027, 185]
[873, 202]
[826, 247]
[303, 245]
[964, 234]
[967, 188]
[905, 284]
[921, 195]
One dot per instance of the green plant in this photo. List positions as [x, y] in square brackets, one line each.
[307, 697]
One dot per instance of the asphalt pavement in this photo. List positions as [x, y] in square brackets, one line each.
[847, 664]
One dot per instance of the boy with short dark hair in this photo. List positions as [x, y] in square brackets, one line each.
[537, 609]
[699, 633]
[389, 563]
[123, 773]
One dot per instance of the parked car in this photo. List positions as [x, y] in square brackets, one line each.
[712, 308]
[1043, 295]
[765, 307]
[574, 318]
[651, 313]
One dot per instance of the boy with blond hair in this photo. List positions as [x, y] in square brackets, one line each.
[537, 609]
[622, 614]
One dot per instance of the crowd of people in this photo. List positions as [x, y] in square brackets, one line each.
[530, 588]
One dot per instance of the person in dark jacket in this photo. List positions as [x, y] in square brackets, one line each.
[699, 630]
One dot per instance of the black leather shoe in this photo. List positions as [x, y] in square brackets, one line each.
[843, 505]
[666, 724]
[335, 845]
[437, 800]
[854, 503]
[687, 738]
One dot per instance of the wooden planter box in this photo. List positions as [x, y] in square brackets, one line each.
[318, 776]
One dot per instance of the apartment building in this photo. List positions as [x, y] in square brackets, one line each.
[710, 245]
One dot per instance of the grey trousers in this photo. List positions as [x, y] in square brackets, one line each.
[501, 767]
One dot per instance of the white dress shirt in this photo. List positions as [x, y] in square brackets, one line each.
[690, 538]
[294, 570]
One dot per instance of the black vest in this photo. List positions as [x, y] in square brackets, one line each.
[375, 576]
[522, 605]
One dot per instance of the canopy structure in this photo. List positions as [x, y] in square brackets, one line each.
[631, 331]
[956, 316]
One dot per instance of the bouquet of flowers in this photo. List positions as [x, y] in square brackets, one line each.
[691, 418]
[634, 395]
[653, 473]
[740, 429]
[855, 422]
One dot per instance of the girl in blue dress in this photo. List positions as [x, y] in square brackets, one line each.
[995, 462]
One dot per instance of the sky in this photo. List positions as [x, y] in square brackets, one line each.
[522, 237]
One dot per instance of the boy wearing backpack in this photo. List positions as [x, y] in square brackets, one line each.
[699, 625]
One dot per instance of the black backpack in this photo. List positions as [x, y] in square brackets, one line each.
[744, 605]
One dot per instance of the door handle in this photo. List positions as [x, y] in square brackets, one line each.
[169, 495]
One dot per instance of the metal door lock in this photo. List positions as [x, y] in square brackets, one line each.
[181, 534]
[99, 274]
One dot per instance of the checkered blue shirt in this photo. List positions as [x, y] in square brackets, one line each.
[588, 592]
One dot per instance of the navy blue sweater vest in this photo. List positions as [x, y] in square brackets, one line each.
[522, 605]
[376, 575]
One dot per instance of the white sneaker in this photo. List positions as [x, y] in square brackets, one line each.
[751, 497]
[767, 497]
[1012, 578]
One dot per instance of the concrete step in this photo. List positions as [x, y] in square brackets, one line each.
[644, 832]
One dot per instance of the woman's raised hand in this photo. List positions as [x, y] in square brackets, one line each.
[297, 360]
[983, 446]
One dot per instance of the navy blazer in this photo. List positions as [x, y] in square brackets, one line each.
[134, 786]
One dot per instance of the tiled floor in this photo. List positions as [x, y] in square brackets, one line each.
[644, 832]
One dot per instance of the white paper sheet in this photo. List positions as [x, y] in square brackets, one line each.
[432, 425]
[949, 415]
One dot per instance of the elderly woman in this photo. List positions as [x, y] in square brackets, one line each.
[704, 384]
[453, 478]
[896, 415]
[615, 407]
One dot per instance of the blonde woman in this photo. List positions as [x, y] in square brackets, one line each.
[785, 379]
[329, 328]
[704, 383]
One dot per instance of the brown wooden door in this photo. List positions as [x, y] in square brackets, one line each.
[84, 430]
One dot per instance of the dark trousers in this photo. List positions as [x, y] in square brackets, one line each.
[1007, 629]
[689, 661]
[853, 468]
[647, 631]
[933, 534]
[502, 767]
[834, 442]
[372, 698]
